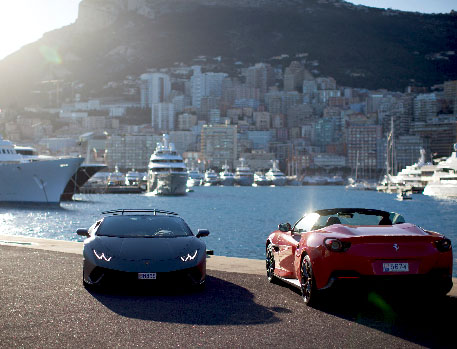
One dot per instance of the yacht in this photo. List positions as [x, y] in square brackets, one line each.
[33, 180]
[409, 177]
[194, 177]
[227, 177]
[243, 174]
[76, 182]
[275, 176]
[167, 173]
[211, 178]
[133, 177]
[443, 183]
[260, 180]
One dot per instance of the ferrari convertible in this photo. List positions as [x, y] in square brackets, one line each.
[148, 247]
[338, 246]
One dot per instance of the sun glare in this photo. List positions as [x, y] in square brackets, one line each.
[23, 21]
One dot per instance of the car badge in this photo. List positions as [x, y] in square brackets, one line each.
[147, 262]
[396, 247]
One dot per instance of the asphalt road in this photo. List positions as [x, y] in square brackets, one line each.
[43, 304]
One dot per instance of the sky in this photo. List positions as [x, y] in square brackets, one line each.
[25, 21]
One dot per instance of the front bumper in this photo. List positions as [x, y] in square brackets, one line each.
[96, 275]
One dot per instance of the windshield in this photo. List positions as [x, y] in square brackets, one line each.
[144, 226]
[356, 217]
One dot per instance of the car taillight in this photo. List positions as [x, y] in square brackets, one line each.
[336, 245]
[443, 245]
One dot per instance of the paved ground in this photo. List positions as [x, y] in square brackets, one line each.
[43, 304]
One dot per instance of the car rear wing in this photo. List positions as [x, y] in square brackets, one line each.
[152, 211]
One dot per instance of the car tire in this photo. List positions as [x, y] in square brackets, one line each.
[307, 282]
[270, 264]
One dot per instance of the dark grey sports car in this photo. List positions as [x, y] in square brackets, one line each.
[145, 246]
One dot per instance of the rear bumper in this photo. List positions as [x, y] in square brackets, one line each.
[437, 281]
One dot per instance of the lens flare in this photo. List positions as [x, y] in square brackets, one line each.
[50, 54]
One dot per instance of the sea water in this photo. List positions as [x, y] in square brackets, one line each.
[239, 218]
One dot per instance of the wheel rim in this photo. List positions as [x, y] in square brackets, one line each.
[306, 280]
[270, 264]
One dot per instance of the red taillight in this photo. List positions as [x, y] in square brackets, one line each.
[443, 245]
[336, 245]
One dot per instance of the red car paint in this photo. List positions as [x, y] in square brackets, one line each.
[370, 247]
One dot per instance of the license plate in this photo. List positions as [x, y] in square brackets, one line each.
[147, 276]
[395, 267]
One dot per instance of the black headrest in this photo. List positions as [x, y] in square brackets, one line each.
[385, 221]
[332, 220]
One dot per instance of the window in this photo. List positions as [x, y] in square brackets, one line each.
[306, 223]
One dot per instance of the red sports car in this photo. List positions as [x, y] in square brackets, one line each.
[327, 247]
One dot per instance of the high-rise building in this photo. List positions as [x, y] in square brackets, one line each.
[129, 151]
[155, 88]
[260, 76]
[205, 85]
[293, 76]
[219, 144]
[163, 116]
[362, 148]
[425, 106]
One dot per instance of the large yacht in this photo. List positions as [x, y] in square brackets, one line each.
[167, 173]
[227, 177]
[33, 180]
[275, 176]
[243, 174]
[76, 182]
[443, 183]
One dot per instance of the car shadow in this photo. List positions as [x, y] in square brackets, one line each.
[220, 303]
[419, 318]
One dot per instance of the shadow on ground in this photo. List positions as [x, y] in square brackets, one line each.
[221, 303]
[418, 316]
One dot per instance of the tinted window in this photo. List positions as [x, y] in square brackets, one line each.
[143, 226]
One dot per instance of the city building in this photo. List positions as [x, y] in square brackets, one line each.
[219, 145]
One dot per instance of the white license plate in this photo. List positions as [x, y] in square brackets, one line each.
[147, 276]
[395, 267]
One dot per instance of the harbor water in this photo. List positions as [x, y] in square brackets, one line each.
[239, 218]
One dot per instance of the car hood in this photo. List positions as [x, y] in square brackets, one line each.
[153, 249]
[404, 229]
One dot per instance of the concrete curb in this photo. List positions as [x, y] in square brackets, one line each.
[218, 263]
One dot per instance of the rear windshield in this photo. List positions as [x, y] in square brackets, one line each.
[143, 226]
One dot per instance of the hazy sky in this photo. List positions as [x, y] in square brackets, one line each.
[25, 21]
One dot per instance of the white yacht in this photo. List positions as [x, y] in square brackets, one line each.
[133, 177]
[194, 178]
[227, 177]
[275, 176]
[211, 178]
[444, 180]
[260, 180]
[167, 173]
[243, 174]
[33, 180]
[411, 176]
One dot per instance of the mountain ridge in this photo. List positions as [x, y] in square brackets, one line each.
[359, 46]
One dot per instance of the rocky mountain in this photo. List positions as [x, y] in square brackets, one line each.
[359, 46]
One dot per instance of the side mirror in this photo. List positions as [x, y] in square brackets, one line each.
[284, 227]
[202, 233]
[82, 232]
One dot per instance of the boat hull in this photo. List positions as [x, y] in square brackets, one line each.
[37, 182]
[441, 190]
[244, 181]
[167, 183]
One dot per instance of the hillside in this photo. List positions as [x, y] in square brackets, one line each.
[359, 46]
